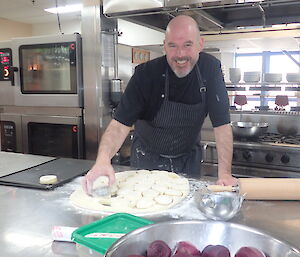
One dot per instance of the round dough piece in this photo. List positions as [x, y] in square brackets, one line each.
[144, 203]
[48, 179]
[163, 199]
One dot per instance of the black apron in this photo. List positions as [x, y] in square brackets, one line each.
[171, 141]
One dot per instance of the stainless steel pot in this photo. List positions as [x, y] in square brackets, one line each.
[200, 234]
[242, 129]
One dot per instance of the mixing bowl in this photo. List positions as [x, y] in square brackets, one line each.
[251, 76]
[272, 77]
[200, 234]
[218, 205]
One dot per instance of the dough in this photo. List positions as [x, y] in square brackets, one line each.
[48, 179]
[163, 199]
[136, 192]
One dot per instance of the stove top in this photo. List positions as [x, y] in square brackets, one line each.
[271, 139]
[279, 139]
[271, 151]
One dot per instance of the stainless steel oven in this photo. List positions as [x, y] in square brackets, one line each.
[48, 135]
[58, 136]
[42, 71]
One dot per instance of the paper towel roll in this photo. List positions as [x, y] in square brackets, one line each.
[270, 188]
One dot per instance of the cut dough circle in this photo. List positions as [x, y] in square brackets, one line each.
[48, 179]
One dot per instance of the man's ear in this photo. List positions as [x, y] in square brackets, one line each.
[201, 43]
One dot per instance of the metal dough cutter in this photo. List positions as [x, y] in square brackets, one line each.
[102, 191]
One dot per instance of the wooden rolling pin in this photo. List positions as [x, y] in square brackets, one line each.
[264, 188]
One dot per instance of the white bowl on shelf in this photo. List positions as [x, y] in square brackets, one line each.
[272, 77]
[234, 75]
[293, 77]
[252, 76]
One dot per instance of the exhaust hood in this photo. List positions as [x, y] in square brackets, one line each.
[145, 6]
[211, 15]
[121, 6]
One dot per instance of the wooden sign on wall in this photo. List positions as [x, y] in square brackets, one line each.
[140, 55]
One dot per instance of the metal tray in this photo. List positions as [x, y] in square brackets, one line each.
[64, 168]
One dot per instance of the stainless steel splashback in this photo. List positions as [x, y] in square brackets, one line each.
[286, 123]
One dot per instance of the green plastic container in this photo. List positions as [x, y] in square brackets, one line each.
[101, 234]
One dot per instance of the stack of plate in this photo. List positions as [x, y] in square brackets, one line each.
[235, 75]
[252, 76]
[293, 77]
[272, 77]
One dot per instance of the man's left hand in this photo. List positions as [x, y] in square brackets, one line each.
[227, 180]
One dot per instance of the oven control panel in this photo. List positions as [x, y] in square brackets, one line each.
[8, 136]
[5, 64]
[259, 156]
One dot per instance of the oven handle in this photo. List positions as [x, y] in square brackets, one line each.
[204, 149]
[12, 71]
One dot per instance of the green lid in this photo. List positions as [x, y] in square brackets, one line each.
[101, 234]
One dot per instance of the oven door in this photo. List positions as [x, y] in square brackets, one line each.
[49, 71]
[11, 132]
[56, 136]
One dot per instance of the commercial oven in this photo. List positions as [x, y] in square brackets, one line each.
[42, 71]
[58, 136]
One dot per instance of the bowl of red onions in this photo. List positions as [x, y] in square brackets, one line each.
[195, 238]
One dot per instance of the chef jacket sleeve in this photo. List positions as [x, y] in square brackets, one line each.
[131, 106]
[217, 97]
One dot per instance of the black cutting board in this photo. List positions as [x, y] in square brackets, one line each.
[64, 168]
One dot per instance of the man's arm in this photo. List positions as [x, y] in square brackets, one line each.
[224, 142]
[111, 141]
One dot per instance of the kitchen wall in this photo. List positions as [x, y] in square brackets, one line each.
[11, 29]
[67, 27]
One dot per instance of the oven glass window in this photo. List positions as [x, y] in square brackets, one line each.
[48, 68]
[58, 140]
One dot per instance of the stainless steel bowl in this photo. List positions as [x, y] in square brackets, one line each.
[200, 234]
[218, 205]
[242, 129]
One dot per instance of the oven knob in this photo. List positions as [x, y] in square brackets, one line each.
[247, 155]
[285, 159]
[269, 157]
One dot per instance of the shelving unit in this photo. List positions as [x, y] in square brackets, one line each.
[262, 86]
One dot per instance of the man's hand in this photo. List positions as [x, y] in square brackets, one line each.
[111, 141]
[227, 180]
[94, 173]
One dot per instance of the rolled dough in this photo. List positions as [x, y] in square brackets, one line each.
[136, 192]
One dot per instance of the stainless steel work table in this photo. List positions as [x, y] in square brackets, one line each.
[28, 215]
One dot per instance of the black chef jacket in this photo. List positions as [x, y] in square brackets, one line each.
[143, 95]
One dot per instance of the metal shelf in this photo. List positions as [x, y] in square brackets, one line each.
[262, 86]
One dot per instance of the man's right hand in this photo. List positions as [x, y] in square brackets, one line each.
[95, 172]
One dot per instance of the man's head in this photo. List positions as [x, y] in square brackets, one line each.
[182, 44]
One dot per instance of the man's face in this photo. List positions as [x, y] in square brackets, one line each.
[182, 47]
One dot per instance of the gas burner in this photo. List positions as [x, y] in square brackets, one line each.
[279, 139]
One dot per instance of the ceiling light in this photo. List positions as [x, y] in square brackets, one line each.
[65, 9]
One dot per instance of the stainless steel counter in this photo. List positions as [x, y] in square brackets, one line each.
[27, 217]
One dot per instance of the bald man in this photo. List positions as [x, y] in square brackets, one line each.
[167, 99]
